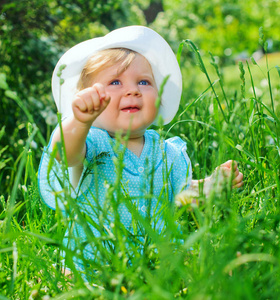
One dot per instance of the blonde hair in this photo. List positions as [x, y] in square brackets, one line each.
[104, 59]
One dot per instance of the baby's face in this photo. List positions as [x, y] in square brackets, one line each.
[133, 96]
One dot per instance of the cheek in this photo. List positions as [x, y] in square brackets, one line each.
[152, 111]
[153, 100]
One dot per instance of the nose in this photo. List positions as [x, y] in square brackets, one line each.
[133, 90]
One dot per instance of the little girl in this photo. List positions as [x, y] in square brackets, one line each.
[110, 88]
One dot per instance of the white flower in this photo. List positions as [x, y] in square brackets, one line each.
[24, 188]
[228, 52]
[264, 83]
[185, 197]
[33, 145]
[44, 113]
[215, 144]
[271, 141]
[51, 119]
[257, 91]
[211, 109]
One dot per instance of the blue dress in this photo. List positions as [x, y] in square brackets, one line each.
[113, 174]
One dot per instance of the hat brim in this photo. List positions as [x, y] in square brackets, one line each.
[137, 38]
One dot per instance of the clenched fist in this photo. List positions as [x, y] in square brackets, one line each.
[89, 103]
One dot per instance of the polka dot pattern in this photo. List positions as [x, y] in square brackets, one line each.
[142, 185]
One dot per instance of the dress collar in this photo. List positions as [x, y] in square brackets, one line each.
[150, 158]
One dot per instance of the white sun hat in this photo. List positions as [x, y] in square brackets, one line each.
[137, 38]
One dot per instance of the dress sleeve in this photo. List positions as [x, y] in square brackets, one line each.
[54, 179]
[180, 164]
[51, 178]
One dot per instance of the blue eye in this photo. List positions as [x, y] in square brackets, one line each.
[115, 82]
[144, 82]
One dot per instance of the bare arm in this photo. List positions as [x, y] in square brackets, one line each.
[87, 106]
[75, 134]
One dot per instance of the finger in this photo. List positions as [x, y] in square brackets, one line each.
[233, 165]
[225, 171]
[100, 89]
[236, 173]
[104, 96]
[82, 100]
[230, 164]
[94, 101]
[80, 104]
[238, 185]
[227, 164]
[105, 101]
[238, 179]
[92, 98]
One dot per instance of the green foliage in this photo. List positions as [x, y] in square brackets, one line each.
[33, 34]
[226, 247]
[228, 28]
[3, 159]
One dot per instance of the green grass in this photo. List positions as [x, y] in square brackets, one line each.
[230, 245]
[196, 82]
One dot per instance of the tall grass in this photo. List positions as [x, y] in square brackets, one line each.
[228, 247]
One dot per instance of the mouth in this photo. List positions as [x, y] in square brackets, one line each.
[130, 109]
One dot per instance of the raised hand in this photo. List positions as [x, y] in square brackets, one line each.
[89, 103]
